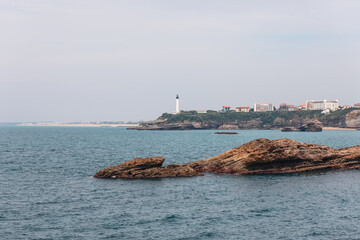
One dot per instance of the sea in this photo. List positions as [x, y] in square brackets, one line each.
[47, 189]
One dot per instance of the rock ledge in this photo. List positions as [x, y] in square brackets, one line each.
[260, 156]
[264, 156]
[146, 168]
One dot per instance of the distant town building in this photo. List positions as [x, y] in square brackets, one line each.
[242, 109]
[346, 107]
[292, 108]
[357, 105]
[226, 108]
[283, 107]
[263, 107]
[286, 107]
[322, 104]
[302, 107]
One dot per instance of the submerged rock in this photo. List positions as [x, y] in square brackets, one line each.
[290, 129]
[225, 133]
[263, 156]
[146, 168]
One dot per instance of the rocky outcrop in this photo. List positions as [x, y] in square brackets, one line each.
[146, 168]
[290, 129]
[263, 156]
[352, 119]
[260, 156]
[313, 126]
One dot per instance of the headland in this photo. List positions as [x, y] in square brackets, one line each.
[231, 120]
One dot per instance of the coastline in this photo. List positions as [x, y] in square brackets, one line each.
[75, 125]
[131, 125]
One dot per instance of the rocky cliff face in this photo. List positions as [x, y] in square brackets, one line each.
[352, 119]
[263, 156]
[314, 126]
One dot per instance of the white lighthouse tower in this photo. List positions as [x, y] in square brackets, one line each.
[177, 110]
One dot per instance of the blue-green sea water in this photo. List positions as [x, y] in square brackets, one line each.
[47, 190]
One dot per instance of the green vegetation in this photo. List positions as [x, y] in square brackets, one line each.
[232, 116]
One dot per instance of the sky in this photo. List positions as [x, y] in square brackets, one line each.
[125, 60]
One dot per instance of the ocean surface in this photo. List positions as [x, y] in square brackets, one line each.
[47, 190]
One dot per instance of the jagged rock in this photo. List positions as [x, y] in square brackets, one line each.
[290, 129]
[352, 119]
[263, 156]
[314, 126]
[146, 168]
[260, 156]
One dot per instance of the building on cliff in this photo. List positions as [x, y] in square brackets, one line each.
[263, 107]
[200, 111]
[242, 109]
[302, 107]
[357, 105]
[226, 108]
[322, 104]
[286, 107]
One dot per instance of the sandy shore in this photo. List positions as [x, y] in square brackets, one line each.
[76, 125]
[335, 128]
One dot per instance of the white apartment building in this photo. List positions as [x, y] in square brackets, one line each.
[322, 104]
[263, 107]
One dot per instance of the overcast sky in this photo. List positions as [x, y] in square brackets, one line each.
[126, 60]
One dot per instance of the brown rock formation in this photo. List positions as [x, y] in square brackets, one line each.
[260, 156]
[352, 119]
[263, 156]
[313, 126]
[146, 168]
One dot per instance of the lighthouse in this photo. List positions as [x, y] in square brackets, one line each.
[177, 110]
